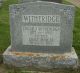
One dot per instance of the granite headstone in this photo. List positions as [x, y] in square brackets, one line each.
[42, 27]
[41, 36]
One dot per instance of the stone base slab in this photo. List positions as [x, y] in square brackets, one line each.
[40, 61]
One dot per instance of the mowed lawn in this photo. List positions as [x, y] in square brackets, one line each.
[5, 30]
[4, 25]
[76, 31]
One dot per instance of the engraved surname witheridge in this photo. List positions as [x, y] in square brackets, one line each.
[41, 18]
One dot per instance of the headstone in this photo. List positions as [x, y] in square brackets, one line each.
[42, 27]
[41, 36]
[23, 1]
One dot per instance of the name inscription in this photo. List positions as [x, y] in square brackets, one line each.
[41, 35]
[41, 18]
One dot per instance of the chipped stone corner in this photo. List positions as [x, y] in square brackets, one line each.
[40, 61]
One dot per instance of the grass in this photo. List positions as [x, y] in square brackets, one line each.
[4, 25]
[5, 29]
[76, 31]
[76, 39]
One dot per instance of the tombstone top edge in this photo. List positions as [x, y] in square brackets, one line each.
[42, 2]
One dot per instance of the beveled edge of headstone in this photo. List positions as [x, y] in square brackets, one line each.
[44, 2]
[23, 1]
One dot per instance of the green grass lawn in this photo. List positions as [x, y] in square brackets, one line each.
[5, 28]
[76, 31]
[4, 25]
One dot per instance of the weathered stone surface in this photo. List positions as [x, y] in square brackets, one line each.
[41, 35]
[40, 61]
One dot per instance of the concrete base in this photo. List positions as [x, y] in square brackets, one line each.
[40, 61]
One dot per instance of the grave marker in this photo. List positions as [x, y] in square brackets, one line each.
[41, 36]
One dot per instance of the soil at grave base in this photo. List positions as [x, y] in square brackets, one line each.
[1, 59]
[2, 69]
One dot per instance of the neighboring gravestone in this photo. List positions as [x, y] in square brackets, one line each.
[41, 36]
[58, 1]
[23, 1]
[0, 2]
